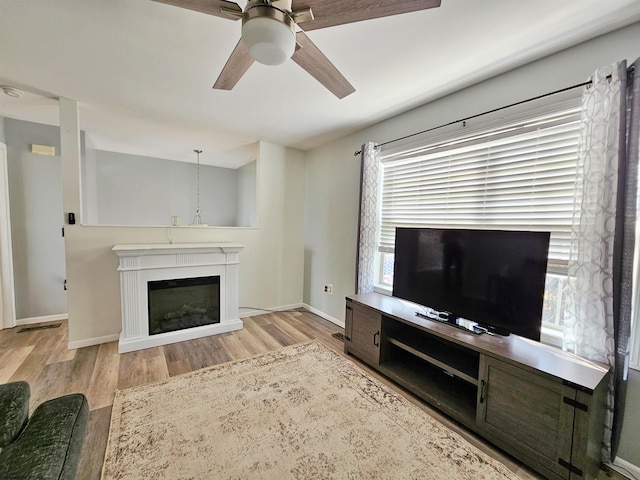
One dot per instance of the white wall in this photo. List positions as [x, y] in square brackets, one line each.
[333, 173]
[271, 264]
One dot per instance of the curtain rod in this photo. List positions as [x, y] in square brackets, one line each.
[566, 89]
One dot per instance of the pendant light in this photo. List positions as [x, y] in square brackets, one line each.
[197, 220]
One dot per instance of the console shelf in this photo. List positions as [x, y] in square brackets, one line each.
[454, 397]
[542, 405]
[446, 367]
[462, 363]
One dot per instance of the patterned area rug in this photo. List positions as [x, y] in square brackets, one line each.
[303, 412]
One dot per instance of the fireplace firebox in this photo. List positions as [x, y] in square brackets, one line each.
[183, 303]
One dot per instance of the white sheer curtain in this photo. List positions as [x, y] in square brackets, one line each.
[590, 324]
[368, 224]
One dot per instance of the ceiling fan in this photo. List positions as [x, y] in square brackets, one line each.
[272, 32]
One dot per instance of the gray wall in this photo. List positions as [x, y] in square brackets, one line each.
[35, 196]
[246, 195]
[2, 138]
[89, 190]
[630, 441]
[331, 216]
[136, 190]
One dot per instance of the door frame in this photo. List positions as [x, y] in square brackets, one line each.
[7, 286]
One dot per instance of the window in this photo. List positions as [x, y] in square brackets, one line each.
[518, 175]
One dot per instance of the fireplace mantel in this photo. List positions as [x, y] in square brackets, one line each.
[142, 263]
[139, 250]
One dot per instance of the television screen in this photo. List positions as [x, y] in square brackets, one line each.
[492, 277]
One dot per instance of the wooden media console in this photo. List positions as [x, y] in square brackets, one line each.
[540, 404]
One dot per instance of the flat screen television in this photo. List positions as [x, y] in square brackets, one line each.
[482, 280]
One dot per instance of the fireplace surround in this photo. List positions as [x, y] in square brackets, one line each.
[144, 265]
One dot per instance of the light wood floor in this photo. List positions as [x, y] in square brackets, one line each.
[41, 358]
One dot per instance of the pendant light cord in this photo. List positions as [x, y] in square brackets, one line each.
[197, 220]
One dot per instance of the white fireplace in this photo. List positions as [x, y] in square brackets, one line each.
[141, 264]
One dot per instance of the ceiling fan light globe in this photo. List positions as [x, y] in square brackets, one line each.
[268, 40]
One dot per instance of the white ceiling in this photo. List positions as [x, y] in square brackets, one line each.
[142, 71]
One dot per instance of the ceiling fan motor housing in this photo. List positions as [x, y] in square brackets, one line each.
[268, 33]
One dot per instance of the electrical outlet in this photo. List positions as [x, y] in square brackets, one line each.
[328, 289]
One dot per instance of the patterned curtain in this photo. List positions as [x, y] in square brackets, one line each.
[368, 222]
[627, 215]
[597, 281]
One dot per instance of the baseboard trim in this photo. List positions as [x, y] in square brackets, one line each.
[46, 318]
[624, 465]
[253, 311]
[89, 342]
[326, 316]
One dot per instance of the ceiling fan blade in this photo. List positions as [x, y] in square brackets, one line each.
[238, 63]
[328, 13]
[219, 8]
[309, 57]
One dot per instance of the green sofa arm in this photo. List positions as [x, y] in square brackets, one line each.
[14, 410]
[50, 444]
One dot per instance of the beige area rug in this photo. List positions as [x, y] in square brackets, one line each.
[303, 412]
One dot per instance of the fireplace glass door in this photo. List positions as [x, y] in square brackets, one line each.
[183, 303]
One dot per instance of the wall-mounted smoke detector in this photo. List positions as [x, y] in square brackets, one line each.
[12, 91]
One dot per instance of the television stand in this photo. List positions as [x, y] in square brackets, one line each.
[541, 405]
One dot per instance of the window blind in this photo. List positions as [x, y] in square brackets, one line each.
[516, 177]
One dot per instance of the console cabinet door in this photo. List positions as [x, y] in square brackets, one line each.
[362, 333]
[526, 414]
